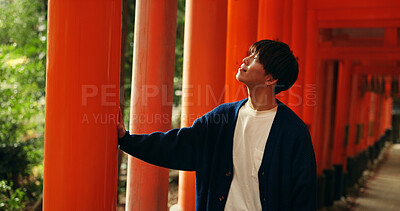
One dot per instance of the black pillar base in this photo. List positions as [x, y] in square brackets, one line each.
[371, 153]
[345, 183]
[363, 162]
[338, 181]
[351, 173]
[321, 191]
[329, 186]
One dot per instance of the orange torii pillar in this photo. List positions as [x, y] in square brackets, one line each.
[341, 121]
[323, 141]
[83, 63]
[298, 44]
[386, 96]
[203, 73]
[310, 88]
[354, 95]
[371, 119]
[365, 110]
[287, 21]
[241, 33]
[366, 117]
[309, 101]
[388, 105]
[322, 160]
[377, 113]
[323, 150]
[356, 129]
[378, 110]
[270, 26]
[352, 131]
[151, 99]
[361, 121]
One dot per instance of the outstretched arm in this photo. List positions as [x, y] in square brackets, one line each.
[176, 149]
[120, 125]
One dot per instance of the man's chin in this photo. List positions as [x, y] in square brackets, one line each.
[240, 80]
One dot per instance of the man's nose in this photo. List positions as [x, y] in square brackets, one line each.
[245, 59]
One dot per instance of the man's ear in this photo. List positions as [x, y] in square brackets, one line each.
[270, 80]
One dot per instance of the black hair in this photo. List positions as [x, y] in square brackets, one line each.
[278, 60]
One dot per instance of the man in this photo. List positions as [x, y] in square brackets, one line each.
[261, 158]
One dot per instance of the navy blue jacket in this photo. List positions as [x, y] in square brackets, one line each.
[287, 175]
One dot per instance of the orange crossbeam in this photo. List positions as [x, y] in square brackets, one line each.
[377, 70]
[362, 53]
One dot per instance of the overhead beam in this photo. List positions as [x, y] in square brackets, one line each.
[377, 14]
[321, 4]
[385, 23]
[374, 53]
[381, 70]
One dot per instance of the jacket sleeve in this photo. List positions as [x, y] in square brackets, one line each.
[304, 178]
[176, 149]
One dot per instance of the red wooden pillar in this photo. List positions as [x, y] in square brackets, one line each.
[365, 117]
[270, 19]
[383, 112]
[326, 140]
[298, 44]
[378, 112]
[203, 73]
[361, 122]
[271, 26]
[152, 88]
[371, 122]
[241, 33]
[310, 87]
[389, 113]
[287, 21]
[353, 109]
[385, 105]
[389, 105]
[342, 112]
[82, 86]
[360, 112]
[286, 38]
[319, 148]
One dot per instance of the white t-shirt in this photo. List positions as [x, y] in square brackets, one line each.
[251, 133]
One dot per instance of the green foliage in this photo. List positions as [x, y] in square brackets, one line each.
[22, 82]
[10, 199]
[21, 21]
[21, 118]
[180, 29]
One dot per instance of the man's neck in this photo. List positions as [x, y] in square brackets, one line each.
[262, 98]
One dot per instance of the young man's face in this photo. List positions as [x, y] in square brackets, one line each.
[252, 72]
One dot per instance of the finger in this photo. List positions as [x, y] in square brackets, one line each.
[120, 118]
